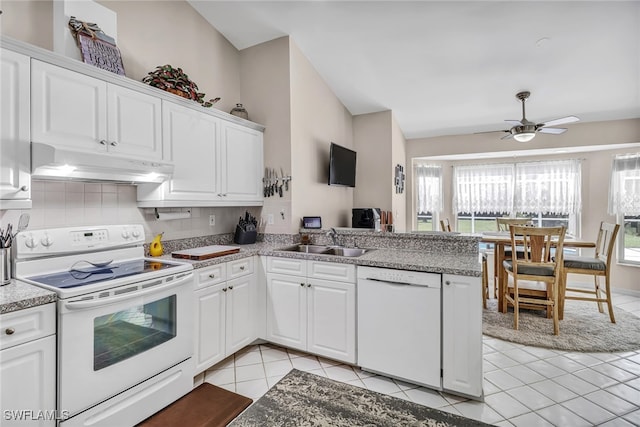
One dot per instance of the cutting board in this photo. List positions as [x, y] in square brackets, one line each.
[205, 252]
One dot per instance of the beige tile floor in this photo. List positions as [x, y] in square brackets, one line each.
[523, 386]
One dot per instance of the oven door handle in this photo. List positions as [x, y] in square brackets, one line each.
[75, 305]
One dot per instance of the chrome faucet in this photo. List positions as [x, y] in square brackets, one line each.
[334, 236]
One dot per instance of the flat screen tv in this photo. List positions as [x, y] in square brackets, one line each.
[342, 166]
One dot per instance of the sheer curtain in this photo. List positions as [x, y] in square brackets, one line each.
[624, 186]
[548, 187]
[429, 188]
[483, 188]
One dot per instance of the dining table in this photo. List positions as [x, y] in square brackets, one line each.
[502, 239]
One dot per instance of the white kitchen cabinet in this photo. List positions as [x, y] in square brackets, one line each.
[15, 154]
[241, 163]
[225, 307]
[79, 112]
[313, 307]
[287, 310]
[331, 313]
[28, 367]
[462, 334]
[226, 170]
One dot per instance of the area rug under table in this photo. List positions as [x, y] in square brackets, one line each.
[303, 399]
[583, 328]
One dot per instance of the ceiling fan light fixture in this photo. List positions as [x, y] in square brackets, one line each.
[524, 136]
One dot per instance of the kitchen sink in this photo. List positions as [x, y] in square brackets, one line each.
[326, 250]
[350, 252]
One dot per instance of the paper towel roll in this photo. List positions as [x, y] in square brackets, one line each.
[172, 215]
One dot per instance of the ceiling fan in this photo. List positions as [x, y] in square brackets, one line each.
[524, 131]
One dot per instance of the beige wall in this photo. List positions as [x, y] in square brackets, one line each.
[372, 134]
[28, 20]
[317, 119]
[265, 88]
[398, 157]
[596, 168]
[146, 41]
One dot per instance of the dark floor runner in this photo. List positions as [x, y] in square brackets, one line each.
[204, 406]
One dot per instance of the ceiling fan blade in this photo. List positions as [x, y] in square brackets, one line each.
[514, 122]
[561, 121]
[554, 131]
[510, 135]
[491, 131]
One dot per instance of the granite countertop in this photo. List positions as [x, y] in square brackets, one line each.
[414, 260]
[20, 295]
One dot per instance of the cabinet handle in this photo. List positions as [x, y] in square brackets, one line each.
[242, 267]
[230, 288]
[447, 283]
[308, 285]
[224, 289]
[302, 284]
[9, 331]
[113, 143]
[24, 188]
[212, 276]
[103, 142]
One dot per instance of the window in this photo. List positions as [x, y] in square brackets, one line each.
[428, 179]
[624, 201]
[546, 192]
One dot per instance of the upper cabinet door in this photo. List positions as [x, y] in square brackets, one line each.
[68, 109]
[191, 142]
[242, 162]
[15, 155]
[135, 123]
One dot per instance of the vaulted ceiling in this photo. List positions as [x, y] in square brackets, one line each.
[454, 67]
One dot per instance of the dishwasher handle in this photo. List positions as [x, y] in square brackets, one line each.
[393, 282]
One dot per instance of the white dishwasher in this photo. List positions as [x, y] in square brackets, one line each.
[399, 324]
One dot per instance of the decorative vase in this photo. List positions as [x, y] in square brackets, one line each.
[239, 111]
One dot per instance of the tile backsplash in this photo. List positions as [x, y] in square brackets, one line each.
[69, 204]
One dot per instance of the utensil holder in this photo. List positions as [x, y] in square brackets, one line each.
[243, 237]
[5, 266]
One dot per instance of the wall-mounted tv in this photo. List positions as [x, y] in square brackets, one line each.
[342, 166]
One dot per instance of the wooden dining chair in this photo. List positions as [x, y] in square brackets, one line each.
[502, 224]
[534, 279]
[597, 266]
[445, 225]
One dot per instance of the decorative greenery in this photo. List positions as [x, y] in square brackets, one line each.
[176, 81]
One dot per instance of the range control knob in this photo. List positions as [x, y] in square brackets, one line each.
[125, 234]
[30, 242]
[46, 241]
[135, 233]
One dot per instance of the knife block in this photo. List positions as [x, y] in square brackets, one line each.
[243, 237]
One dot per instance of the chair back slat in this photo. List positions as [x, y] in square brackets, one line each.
[606, 241]
[445, 225]
[504, 223]
[542, 246]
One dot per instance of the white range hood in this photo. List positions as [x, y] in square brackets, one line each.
[50, 162]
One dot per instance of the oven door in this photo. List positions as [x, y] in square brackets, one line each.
[112, 340]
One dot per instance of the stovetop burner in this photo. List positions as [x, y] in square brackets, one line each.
[82, 276]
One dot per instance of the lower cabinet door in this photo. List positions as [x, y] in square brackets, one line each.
[287, 310]
[240, 329]
[332, 319]
[210, 324]
[462, 334]
[28, 385]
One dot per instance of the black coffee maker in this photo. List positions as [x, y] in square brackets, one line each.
[366, 218]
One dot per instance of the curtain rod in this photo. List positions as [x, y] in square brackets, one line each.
[514, 163]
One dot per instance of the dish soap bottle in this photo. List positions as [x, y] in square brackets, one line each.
[155, 247]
